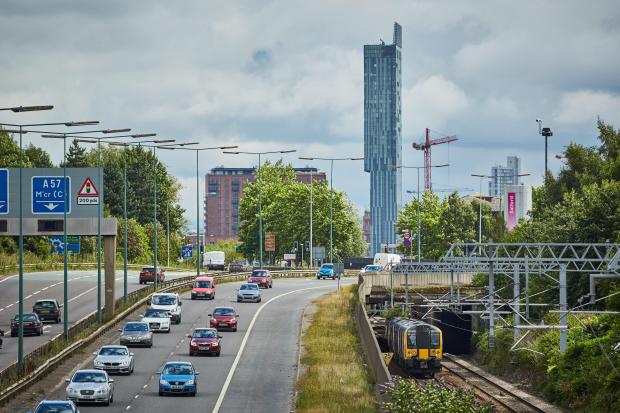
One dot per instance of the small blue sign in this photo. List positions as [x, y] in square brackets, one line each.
[4, 191]
[57, 244]
[186, 251]
[407, 242]
[48, 196]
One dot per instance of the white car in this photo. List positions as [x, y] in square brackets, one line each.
[114, 359]
[90, 386]
[170, 302]
[249, 292]
[158, 320]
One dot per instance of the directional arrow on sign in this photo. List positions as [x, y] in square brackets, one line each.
[1, 204]
[51, 206]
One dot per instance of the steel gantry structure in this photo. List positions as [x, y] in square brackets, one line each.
[600, 260]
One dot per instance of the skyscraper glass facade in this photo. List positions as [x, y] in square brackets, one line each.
[382, 136]
[504, 175]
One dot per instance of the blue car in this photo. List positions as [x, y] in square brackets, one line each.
[326, 271]
[178, 377]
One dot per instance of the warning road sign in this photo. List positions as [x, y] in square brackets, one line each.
[88, 194]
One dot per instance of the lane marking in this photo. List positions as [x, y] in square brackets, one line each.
[7, 278]
[27, 297]
[231, 372]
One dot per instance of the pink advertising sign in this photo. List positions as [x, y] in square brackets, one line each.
[512, 209]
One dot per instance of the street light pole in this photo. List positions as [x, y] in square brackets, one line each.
[310, 262]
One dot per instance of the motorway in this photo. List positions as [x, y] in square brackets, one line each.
[40, 285]
[257, 367]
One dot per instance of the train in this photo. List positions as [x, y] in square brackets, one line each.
[417, 346]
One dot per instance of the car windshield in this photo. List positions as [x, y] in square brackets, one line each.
[224, 311]
[249, 287]
[136, 327]
[26, 317]
[156, 314]
[205, 334]
[147, 269]
[164, 300]
[178, 370]
[45, 304]
[89, 377]
[113, 351]
[259, 274]
[373, 268]
[202, 284]
[327, 266]
[55, 407]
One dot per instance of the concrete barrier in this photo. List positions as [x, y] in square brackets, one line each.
[414, 280]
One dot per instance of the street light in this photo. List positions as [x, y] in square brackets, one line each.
[546, 133]
[260, 194]
[197, 150]
[18, 109]
[419, 237]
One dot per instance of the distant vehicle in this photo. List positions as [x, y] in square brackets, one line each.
[178, 377]
[203, 287]
[205, 341]
[158, 320]
[249, 292]
[224, 317]
[170, 302]
[239, 266]
[114, 359]
[55, 406]
[386, 260]
[136, 333]
[370, 269]
[32, 324]
[215, 260]
[326, 271]
[262, 278]
[147, 275]
[90, 386]
[47, 309]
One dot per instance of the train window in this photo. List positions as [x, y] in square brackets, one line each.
[411, 341]
[423, 336]
[434, 339]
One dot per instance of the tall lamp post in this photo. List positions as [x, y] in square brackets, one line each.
[546, 133]
[198, 150]
[260, 195]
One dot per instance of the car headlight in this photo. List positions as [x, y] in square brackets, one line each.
[193, 343]
[189, 382]
[162, 381]
[102, 390]
[71, 390]
[98, 363]
[124, 362]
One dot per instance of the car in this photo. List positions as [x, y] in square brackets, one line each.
[158, 320]
[55, 406]
[47, 309]
[136, 333]
[326, 271]
[32, 324]
[90, 386]
[224, 317]
[249, 292]
[239, 266]
[371, 269]
[114, 359]
[203, 287]
[147, 275]
[170, 302]
[178, 377]
[262, 278]
[205, 341]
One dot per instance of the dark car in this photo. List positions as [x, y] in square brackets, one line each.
[224, 318]
[205, 341]
[262, 278]
[32, 324]
[47, 309]
[56, 406]
[239, 266]
[147, 275]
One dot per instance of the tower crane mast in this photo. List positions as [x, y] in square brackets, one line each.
[426, 147]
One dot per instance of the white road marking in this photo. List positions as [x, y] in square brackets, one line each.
[7, 278]
[128, 407]
[36, 292]
[85, 292]
[231, 372]
[27, 297]
[10, 305]
[45, 288]
[145, 386]
[136, 396]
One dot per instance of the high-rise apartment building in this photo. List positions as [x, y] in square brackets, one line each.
[224, 188]
[504, 175]
[382, 136]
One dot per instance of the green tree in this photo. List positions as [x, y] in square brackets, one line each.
[76, 156]
[138, 246]
[9, 152]
[38, 157]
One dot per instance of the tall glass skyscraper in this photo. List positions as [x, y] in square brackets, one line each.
[382, 136]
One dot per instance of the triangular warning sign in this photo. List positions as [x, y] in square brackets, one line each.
[88, 188]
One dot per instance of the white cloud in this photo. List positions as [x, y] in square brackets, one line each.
[584, 106]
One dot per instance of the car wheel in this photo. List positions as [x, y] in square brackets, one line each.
[234, 331]
[13, 334]
[39, 332]
[217, 354]
[191, 353]
[238, 300]
[193, 394]
[150, 344]
[161, 393]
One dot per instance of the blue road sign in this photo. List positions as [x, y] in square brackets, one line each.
[57, 246]
[48, 196]
[4, 191]
[406, 242]
[186, 251]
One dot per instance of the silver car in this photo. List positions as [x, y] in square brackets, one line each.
[136, 333]
[90, 386]
[249, 292]
[114, 359]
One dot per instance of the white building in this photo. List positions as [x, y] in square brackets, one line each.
[504, 175]
[517, 203]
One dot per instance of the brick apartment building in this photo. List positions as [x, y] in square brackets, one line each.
[224, 188]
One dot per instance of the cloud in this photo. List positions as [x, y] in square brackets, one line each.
[585, 106]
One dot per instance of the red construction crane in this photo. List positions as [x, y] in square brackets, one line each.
[426, 147]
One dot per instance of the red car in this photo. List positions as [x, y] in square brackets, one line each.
[146, 275]
[224, 317]
[205, 341]
[262, 278]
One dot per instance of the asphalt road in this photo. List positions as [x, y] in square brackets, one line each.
[40, 285]
[258, 364]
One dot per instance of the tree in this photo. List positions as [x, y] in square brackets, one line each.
[76, 156]
[9, 152]
[38, 157]
[138, 247]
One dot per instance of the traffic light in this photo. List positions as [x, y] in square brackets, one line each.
[307, 246]
[296, 244]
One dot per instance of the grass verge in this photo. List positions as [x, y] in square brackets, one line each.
[335, 379]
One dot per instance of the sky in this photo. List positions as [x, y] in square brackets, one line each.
[278, 75]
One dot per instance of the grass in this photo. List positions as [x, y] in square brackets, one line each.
[335, 379]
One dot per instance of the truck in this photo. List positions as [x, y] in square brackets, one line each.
[386, 260]
[215, 260]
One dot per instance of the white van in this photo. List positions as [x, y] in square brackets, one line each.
[215, 260]
[386, 260]
[170, 302]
